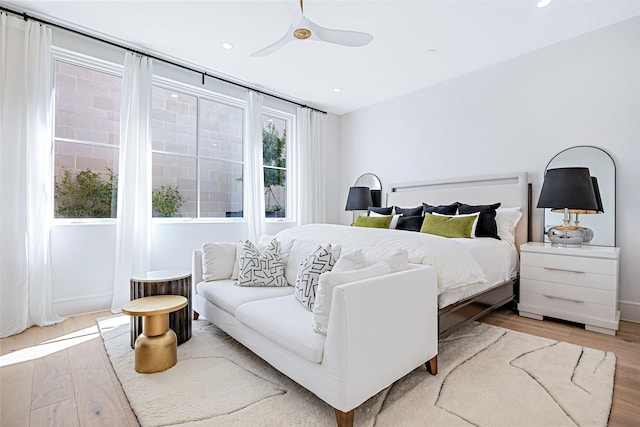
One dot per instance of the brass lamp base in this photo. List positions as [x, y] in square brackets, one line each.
[566, 236]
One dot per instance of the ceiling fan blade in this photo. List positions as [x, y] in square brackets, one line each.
[295, 9]
[286, 38]
[341, 37]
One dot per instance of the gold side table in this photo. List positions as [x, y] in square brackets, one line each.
[164, 282]
[156, 349]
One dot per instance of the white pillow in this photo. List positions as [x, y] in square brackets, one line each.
[355, 258]
[506, 221]
[394, 220]
[320, 261]
[350, 259]
[328, 282]
[218, 260]
[261, 269]
[236, 264]
[475, 221]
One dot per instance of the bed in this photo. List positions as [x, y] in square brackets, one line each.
[463, 298]
[511, 190]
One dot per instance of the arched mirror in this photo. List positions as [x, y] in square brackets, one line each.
[601, 166]
[373, 182]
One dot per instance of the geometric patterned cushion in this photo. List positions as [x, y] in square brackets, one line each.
[256, 269]
[320, 261]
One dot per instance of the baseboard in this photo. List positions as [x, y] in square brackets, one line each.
[83, 304]
[629, 311]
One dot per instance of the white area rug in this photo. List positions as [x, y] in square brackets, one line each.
[487, 376]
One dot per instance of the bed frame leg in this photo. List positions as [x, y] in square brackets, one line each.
[345, 419]
[195, 315]
[432, 365]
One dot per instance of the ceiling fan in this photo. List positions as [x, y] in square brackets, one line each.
[304, 29]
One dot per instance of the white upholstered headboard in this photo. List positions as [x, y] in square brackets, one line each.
[511, 190]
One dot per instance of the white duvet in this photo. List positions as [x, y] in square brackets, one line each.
[455, 265]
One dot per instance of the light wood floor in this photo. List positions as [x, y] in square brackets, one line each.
[76, 386]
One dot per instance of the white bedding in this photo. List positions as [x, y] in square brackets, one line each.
[455, 265]
[497, 258]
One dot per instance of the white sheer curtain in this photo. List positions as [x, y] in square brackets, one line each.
[253, 181]
[310, 171]
[25, 175]
[133, 230]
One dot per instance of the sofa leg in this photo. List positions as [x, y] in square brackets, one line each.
[345, 419]
[432, 365]
[195, 315]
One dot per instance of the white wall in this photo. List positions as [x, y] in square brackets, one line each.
[515, 116]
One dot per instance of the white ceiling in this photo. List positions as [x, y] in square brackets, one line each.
[466, 35]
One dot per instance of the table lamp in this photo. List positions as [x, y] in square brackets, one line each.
[564, 190]
[359, 199]
[588, 232]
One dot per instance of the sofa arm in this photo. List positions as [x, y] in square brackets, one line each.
[196, 266]
[379, 330]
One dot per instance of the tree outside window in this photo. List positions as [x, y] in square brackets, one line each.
[274, 157]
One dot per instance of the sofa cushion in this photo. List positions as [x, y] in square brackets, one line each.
[227, 296]
[328, 283]
[261, 269]
[218, 260]
[285, 322]
[320, 261]
[300, 250]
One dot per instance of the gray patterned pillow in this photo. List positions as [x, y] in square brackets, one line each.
[256, 269]
[320, 261]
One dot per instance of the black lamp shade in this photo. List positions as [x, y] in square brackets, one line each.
[596, 190]
[376, 198]
[359, 199]
[568, 188]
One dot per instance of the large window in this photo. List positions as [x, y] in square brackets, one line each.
[274, 154]
[197, 155]
[197, 147]
[86, 141]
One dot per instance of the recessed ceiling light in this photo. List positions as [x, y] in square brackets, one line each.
[227, 46]
[337, 90]
[543, 3]
[431, 51]
[270, 120]
[174, 95]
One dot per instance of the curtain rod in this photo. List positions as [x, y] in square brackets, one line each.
[204, 74]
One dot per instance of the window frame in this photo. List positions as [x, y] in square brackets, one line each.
[95, 64]
[101, 65]
[290, 127]
[200, 93]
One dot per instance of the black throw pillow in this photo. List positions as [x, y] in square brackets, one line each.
[381, 211]
[486, 220]
[409, 211]
[410, 223]
[441, 209]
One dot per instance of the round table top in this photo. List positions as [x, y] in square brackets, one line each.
[161, 275]
[154, 305]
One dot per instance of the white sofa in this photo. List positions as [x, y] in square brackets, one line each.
[379, 330]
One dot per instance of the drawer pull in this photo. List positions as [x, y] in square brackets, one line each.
[564, 299]
[562, 269]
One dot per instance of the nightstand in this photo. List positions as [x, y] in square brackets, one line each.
[575, 284]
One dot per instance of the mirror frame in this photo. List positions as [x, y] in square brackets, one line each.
[610, 192]
[373, 182]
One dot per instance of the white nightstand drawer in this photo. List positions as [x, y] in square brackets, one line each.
[571, 307]
[571, 277]
[571, 263]
[570, 292]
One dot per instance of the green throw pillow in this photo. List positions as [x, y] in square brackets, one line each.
[373, 221]
[448, 226]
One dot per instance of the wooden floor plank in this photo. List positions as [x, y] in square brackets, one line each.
[59, 414]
